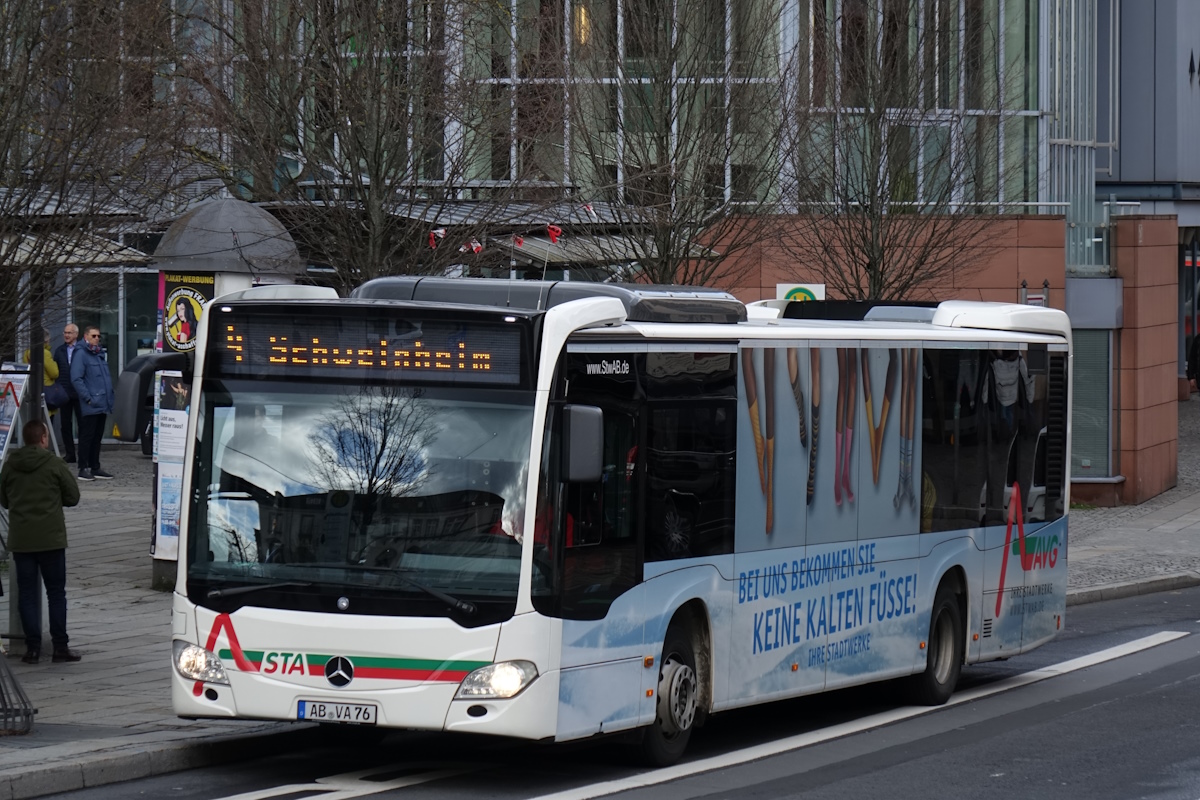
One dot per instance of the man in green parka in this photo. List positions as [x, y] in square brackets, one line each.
[35, 484]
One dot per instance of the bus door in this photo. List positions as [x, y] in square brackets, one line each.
[1006, 455]
[596, 539]
[1040, 468]
[955, 445]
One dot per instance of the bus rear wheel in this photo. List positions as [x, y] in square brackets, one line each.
[663, 742]
[944, 655]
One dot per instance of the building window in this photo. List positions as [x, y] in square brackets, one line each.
[1091, 412]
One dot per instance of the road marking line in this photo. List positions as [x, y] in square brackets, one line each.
[348, 785]
[768, 749]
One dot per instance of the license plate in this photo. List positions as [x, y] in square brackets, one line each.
[327, 711]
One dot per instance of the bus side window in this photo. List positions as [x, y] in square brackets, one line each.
[690, 479]
[954, 440]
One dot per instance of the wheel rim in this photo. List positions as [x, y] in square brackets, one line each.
[942, 648]
[677, 697]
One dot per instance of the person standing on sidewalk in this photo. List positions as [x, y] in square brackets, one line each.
[93, 384]
[63, 355]
[34, 487]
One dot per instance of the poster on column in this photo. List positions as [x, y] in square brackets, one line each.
[170, 496]
[172, 401]
[181, 299]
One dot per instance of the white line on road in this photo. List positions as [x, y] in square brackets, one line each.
[349, 785]
[857, 726]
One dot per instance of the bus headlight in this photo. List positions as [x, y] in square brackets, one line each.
[497, 681]
[197, 664]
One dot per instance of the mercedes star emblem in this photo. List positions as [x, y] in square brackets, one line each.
[339, 671]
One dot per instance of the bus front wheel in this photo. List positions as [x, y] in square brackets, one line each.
[944, 656]
[663, 742]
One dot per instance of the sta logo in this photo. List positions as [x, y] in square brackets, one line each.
[1035, 551]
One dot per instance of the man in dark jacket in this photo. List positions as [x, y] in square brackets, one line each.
[34, 486]
[93, 384]
[64, 354]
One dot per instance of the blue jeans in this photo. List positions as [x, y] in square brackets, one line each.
[53, 566]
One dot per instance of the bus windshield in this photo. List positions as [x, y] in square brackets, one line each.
[387, 499]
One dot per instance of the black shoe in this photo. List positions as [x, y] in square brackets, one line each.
[86, 475]
[31, 656]
[64, 655]
[70, 459]
[102, 475]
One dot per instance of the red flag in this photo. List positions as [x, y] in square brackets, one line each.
[591, 212]
[474, 246]
[554, 232]
[434, 235]
[518, 240]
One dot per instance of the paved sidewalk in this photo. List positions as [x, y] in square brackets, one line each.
[108, 718]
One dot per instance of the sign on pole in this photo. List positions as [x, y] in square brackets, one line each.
[12, 395]
[799, 291]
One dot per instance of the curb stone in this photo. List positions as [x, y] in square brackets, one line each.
[1114, 591]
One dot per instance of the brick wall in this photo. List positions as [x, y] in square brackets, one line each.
[1145, 255]
[1018, 247]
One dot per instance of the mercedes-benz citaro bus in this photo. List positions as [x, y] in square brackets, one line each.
[551, 510]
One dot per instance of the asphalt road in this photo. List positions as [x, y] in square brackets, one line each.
[1122, 728]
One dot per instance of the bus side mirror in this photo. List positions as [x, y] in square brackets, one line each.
[583, 444]
[135, 391]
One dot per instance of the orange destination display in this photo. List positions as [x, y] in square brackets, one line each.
[367, 348]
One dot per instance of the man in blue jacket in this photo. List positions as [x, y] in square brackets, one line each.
[93, 384]
[64, 354]
[34, 487]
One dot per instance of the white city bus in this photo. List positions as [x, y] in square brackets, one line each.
[554, 510]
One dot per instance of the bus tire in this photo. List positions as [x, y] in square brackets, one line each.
[678, 696]
[944, 653]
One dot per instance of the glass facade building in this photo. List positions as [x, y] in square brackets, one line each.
[634, 101]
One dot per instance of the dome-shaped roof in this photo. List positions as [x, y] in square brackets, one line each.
[228, 236]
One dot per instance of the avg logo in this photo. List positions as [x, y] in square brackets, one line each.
[1034, 551]
[277, 663]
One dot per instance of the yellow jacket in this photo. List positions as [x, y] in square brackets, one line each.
[49, 366]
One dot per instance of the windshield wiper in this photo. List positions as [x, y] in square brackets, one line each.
[464, 606]
[213, 594]
[458, 605]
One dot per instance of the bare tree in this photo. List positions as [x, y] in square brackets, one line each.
[675, 119]
[361, 122]
[908, 139]
[84, 139]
